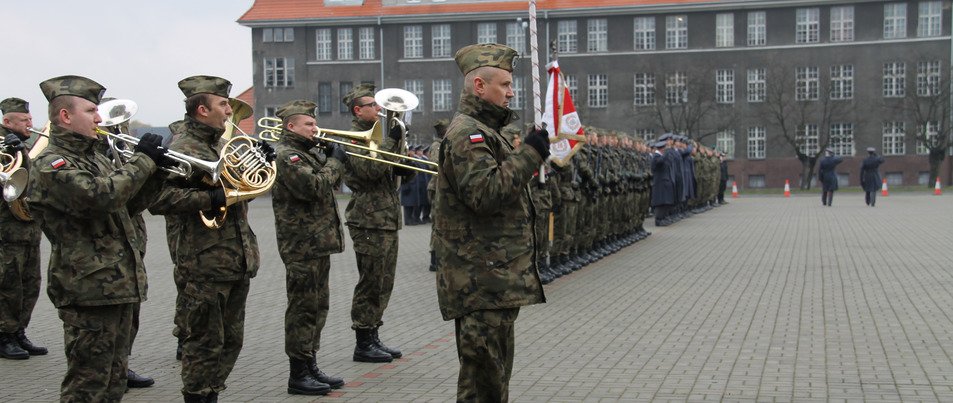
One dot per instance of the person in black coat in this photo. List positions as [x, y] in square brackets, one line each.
[723, 181]
[663, 185]
[870, 178]
[827, 173]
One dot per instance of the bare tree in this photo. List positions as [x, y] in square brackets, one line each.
[928, 103]
[686, 104]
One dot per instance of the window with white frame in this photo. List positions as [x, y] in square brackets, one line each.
[647, 135]
[842, 81]
[842, 138]
[757, 85]
[932, 130]
[367, 43]
[676, 88]
[842, 24]
[757, 28]
[572, 85]
[808, 140]
[928, 78]
[322, 42]
[725, 141]
[566, 36]
[278, 35]
[516, 37]
[930, 22]
[324, 98]
[279, 71]
[270, 111]
[725, 86]
[486, 32]
[894, 79]
[757, 143]
[597, 35]
[413, 42]
[643, 29]
[519, 94]
[808, 25]
[724, 30]
[895, 20]
[598, 91]
[644, 92]
[416, 87]
[894, 133]
[345, 44]
[442, 98]
[344, 87]
[676, 32]
[807, 83]
[440, 40]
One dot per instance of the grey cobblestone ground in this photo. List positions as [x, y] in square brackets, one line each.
[766, 299]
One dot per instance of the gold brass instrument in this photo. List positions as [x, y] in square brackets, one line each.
[240, 111]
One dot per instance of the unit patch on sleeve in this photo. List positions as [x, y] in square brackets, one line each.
[476, 138]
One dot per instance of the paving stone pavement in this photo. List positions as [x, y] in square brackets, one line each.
[765, 299]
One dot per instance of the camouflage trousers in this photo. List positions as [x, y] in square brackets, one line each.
[96, 340]
[485, 347]
[565, 227]
[542, 234]
[216, 330]
[19, 285]
[309, 297]
[181, 306]
[376, 253]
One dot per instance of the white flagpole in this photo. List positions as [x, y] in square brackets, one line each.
[534, 55]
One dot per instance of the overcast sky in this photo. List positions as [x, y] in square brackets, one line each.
[136, 49]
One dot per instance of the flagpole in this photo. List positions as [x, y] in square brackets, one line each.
[534, 55]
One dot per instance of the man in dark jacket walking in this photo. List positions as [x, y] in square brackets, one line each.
[827, 173]
[870, 178]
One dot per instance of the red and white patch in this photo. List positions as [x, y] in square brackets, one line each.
[294, 158]
[476, 138]
[58, 163]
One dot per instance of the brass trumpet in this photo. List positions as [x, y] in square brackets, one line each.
[14, 177]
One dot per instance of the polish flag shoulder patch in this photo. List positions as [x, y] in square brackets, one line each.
[294, 158]
[58, 163]
[476, 138]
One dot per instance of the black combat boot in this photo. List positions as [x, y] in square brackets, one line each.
[565, 265]
[302, 383]
[28, 345]
[10, 349]
[433, 261]
[380, 346]
[545, 271]
[194, 398]
[332, 381]
[366, 350]
[134, 380]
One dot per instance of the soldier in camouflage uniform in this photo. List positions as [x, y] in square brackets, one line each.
[484, 224]
[19, 246]
[440, 129]
[373, 218]
[309, 230]
[218, 263]
[84, 206]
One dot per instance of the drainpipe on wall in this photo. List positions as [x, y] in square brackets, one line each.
[380, 29]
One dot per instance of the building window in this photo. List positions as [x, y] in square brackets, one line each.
[757, 28]
[367, 43]
[894, 133]
[725, 86]
[324, 98]
[842, 138]
[932, 130]
[516, 36]
[644, 33]
[842, 24]
[807, 83]
[278, 35]
[676, 32]
[270, 111]
[597, 35]
[345, 44]
[895, 20]
[516, 103]
[572, 85]
[279, 71]
[756, 143]
[842, 81]
[756, 181]
[566, 37]
[894, 81]
[930, 22]
[416, 87]
[808, 25]
[676, 88]
[757, 85]
[413, 42]
[725, 30]
[725, 141]
[486, 32]
[598, 90]
[441, 40]
[894, 178]
[343, 88]
[928, 78]
[808, 139]
[442, 90]
[647, 135]
[644, 89]
[322, 42]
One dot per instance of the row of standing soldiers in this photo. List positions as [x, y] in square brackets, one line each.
[688, 179]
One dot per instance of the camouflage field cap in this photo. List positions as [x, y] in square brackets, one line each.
[363, 90]
[440, 127]
[511, 129]
[299, 107]
[73, 85]
[486, 54]
[205, 85]
[14, 105]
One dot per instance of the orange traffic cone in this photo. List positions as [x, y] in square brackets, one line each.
[936, 189]
[734, 189]
[787, 188]
[883, 189]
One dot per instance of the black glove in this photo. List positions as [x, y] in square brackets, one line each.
[396, 133]
[218, 197]
[539, 140]
[268, 150]
[336, 151]
[401, 171]
[13, 142]
[151, 145]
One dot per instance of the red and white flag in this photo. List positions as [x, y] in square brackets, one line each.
[566, 133]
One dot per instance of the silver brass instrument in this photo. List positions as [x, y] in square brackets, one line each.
[19, 207]
[14, 177]
[396, 102]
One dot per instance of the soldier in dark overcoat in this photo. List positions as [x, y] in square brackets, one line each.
[870, 178]
[827, 173]
[663, 185]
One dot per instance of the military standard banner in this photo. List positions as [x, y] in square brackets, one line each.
[565, 132]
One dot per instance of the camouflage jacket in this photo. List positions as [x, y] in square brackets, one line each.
[12, 229]
[374, 202]
[484, 219]
[84, 206]
[307, 223]
[204, 254]
[432, 184]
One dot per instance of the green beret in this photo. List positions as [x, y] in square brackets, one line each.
[363, 90]
[205, 85]
[441, 126]
[486, 54]
[299, 107]
[73, 85]
[15, 105]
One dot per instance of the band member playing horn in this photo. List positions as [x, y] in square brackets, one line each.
[84, 205]
[20, 257]
[373, 218]
[217, 263]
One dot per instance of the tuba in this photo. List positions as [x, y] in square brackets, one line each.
[18, 206]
